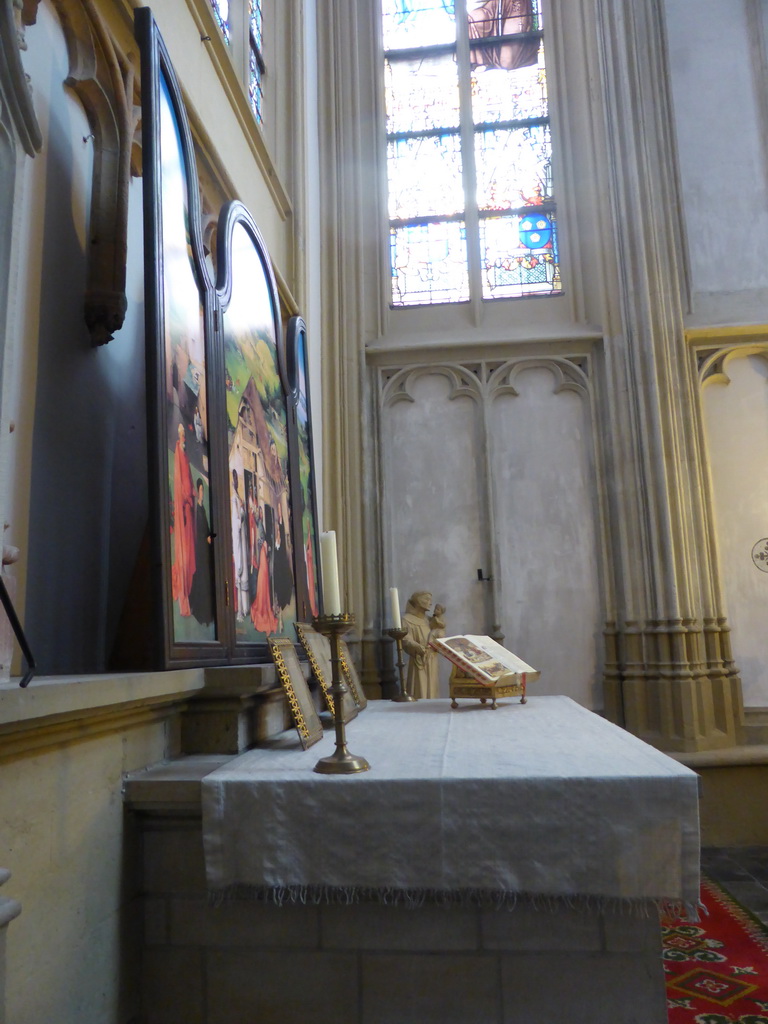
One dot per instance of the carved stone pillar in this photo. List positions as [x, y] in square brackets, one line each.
[9, 909]
[670, 676]
[350, 319]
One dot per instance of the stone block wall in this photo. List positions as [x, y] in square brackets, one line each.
[372, 964]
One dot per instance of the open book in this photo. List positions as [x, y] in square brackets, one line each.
[484, 660]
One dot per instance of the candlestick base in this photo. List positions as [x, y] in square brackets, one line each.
[397, 634]
[341, 762]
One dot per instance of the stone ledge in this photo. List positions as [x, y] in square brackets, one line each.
[56, 697]
[172, 787]
[725, 757]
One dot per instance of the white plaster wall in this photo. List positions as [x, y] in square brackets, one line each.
[736, 424]
[547, 534]
[717, 81]
[434, 483]
[542, 486]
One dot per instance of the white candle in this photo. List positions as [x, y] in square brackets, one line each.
[394, 601]
[330, 567]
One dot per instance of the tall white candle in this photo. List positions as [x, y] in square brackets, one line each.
[330, 566]
[394, 601]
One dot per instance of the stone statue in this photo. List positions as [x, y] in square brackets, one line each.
[422, 663]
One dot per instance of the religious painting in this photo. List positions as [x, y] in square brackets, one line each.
[305, 716]
[178, 313]
[318, 650]
[232, 483]
[307, 560]
[261, 573]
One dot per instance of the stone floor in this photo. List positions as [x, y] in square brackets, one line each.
[743, 872]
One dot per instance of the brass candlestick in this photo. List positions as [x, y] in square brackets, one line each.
[397, 635]
[340, 762]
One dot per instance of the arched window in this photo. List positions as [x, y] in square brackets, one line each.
[471, 202]
[241, 20]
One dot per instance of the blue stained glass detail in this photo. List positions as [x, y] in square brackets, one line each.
[519, 256]
[220, 10]
[429, 263]
[255, 22]
[408, 23]
[536, 231]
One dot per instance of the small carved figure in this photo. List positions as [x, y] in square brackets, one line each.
[437, 622]
[422, 663]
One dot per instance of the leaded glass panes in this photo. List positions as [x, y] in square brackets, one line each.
[422, 94]
[487, 20]
[488, 85]
[425, 177]
[502, 17]
[429, 263]
[513, 167]
[410, 23]
[221, 14]
[519, 255]
[255, 93]
[499, 95]
[255, 59]
[254, 17]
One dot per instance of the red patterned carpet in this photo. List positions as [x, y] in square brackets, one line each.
[717, 969]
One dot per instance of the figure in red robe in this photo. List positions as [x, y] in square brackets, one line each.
[262, 614]
[183, 527]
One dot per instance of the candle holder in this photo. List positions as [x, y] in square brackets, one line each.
[398, 635]
[340, 762]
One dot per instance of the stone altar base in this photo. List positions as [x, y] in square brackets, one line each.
[372, 964]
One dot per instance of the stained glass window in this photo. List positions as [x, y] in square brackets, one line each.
[469, 151]
[256, 67]
[221, 14]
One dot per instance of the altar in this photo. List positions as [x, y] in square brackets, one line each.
[492, 866]
[544, 799]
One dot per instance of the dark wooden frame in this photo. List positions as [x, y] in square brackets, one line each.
[156, 68]
[165, 648]
[297, 359]
[235, 215]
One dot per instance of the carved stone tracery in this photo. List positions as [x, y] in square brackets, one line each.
[14, 86]
[102, 77]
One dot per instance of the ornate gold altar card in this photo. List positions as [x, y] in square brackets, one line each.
[351, 676]
[318, 651]
[485, 660]
[291, 674]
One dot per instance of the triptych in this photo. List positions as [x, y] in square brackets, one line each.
[235, 542]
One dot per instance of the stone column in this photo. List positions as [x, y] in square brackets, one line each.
[8, 910]
[348, 132]
[670, 676]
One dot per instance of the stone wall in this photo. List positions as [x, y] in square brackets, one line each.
[374, 964]
[71, 956]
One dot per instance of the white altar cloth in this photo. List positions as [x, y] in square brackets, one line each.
[542, 799]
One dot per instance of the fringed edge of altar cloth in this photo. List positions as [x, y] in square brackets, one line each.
[489, 899]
